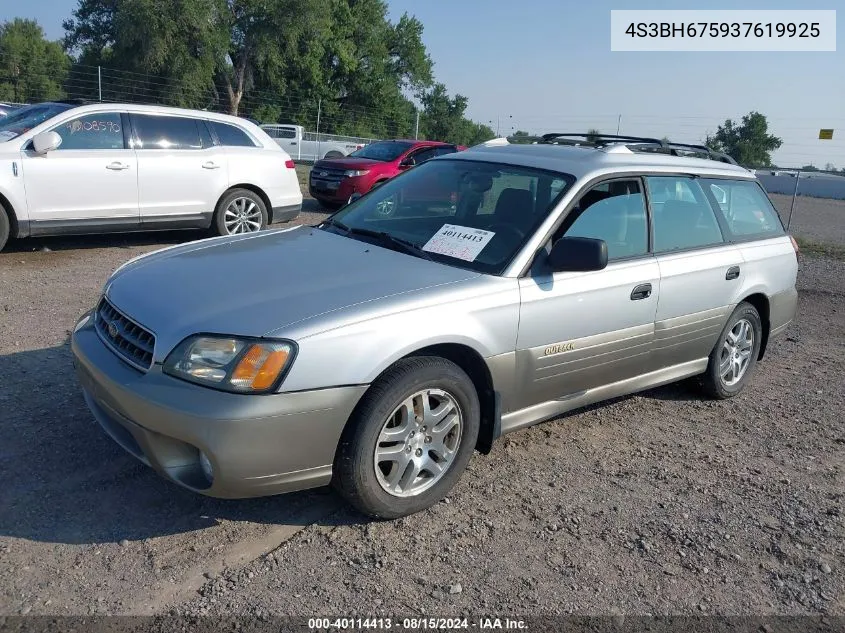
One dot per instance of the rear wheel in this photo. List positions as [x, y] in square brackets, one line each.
[734, 357]
[5, 227]
[240, 211]
[410, 438]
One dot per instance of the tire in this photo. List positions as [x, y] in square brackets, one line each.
[5, 227]
[331, 205]
[363, 480]
[237, 202]
[719, 381]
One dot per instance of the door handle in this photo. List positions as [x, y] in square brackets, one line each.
[733, 273]
[116, 166]
[293, 143]
[210, 165]
[643, 291]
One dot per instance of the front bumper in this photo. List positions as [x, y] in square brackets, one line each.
[257, 445]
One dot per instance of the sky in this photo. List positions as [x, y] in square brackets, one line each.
[546, 65]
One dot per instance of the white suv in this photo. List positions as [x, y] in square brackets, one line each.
[110, 167]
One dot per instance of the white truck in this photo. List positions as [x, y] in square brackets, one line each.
[311, 146]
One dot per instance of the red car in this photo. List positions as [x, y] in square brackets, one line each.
[333, 180]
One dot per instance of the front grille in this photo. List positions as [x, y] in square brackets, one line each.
[332, 176]
[124, 337]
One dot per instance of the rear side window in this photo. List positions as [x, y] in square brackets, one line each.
[745, 207]
[231, 135]
[681, 214]
[165, 132]
[281, 132]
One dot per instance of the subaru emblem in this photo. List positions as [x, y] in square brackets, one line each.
[113, 329]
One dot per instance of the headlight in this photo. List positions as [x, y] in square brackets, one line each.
[239, 365]
[356, 172]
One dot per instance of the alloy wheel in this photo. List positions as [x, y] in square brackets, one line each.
[736, 352]
[418, 442]
[242, 216]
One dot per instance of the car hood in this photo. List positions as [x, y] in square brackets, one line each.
[253, 285]
[349, 163]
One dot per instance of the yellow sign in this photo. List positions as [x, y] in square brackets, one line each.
[826, 135]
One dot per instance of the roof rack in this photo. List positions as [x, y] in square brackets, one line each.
[634, 143]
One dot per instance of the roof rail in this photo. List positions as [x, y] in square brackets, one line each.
[635, 143]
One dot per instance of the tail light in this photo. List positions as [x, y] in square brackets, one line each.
[289, 164]
[795, 246]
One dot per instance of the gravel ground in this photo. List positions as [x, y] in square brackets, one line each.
[818, 219]
[656, 503]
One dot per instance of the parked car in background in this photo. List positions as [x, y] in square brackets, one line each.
[333, 180]
[310, 146]
[113, 167]
[6, 109]
[405, 343]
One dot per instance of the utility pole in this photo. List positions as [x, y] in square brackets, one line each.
[618, 124]
[417, 127]
[100, 82]
[319, 111]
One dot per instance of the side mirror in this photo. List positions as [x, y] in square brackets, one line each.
[578, 254]
[46, 142]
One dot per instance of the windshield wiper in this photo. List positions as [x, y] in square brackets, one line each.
[386, 239]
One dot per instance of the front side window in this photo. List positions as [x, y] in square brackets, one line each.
[470, 214]
[681, 214]
[165, 132]
[102, 130]
[385, 151]
[745, 207]
[232, 136]
[614, 212]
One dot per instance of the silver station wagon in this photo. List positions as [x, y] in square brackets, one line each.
[474, 295]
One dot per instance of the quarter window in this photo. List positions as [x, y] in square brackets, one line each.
[745, 207]
[232, 136]
[102, 130]
[681, 214]
[166, 132]
[614, 212]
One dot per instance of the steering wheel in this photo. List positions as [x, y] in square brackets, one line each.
[500, 228]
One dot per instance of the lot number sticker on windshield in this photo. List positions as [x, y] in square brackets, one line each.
[461, 242]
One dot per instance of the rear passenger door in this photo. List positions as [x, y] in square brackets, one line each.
[699, 271]
[181, 171]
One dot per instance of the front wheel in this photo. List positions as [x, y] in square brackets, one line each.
[734, 357]
[240, 211]
[409, 440]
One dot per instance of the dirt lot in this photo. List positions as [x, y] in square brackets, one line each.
[657, 503]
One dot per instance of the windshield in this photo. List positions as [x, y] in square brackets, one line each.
[384, 151]
[27, 118]
[471, 214]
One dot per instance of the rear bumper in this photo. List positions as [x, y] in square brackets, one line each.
[782, 309]
[286, 213]
[256, 445]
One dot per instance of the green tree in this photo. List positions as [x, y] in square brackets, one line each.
[443, 119]
[592, 135]
[521, 133]
[749, 142]
[31, 67]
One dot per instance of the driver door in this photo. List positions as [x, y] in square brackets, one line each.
[581, 330]
[92, 176]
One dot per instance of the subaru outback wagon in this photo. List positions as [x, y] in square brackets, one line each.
[550, 276]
